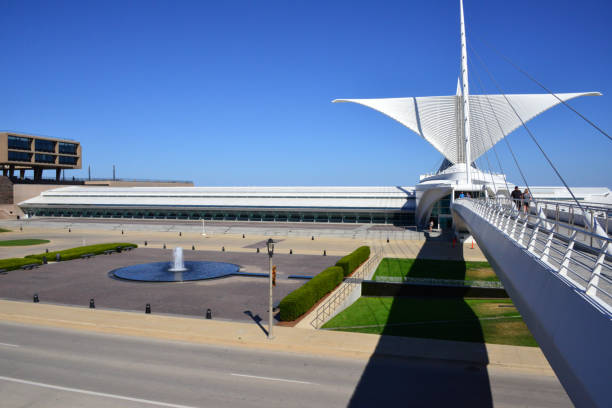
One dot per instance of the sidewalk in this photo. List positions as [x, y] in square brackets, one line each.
[338, 246]
[249, 335]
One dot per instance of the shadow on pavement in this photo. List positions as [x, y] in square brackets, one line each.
[426, 382]
[257, 320]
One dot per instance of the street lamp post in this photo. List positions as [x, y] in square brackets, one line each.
[270, 245]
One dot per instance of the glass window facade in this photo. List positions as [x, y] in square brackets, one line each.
[19, 156]
[442, 207]
[68, 160]
[44, 158]
[44, 146]
[20, 143]
[68, 148]
[397, 218]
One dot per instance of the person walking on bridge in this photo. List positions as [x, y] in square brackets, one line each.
[517, 196]
[526, 200]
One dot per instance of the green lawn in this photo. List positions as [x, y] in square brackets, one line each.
[23, 242]
[436, 269]
[474, 320]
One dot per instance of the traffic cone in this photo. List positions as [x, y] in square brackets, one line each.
[472, 243]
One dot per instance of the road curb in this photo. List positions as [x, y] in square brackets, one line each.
[287, 339]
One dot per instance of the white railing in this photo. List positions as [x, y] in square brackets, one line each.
[575, 253]
[327, 309]
[440, 282]
[587, 215]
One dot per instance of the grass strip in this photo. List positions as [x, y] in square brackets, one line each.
[4, 230]
[16, 263]
[23, 242]
[436, 269]
[73, 253]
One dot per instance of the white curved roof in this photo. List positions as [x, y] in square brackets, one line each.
[438, 118]
[374, 198]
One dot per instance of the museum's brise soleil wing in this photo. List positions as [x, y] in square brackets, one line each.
[438, 118]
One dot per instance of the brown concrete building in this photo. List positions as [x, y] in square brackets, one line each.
[21, 152]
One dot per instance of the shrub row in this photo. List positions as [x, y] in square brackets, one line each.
[16, 263]
[77, 252]
[352, 261]
[303, 298]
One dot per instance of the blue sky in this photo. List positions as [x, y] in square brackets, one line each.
[238, 92]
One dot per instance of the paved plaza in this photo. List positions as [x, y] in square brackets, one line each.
[334, 239]
[236, 297]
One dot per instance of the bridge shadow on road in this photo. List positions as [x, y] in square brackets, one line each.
[435, 381]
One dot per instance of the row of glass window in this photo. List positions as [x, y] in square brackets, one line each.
[44, 158]
[41, 145]
[40, 158]
[68, 160]
[396, 218]
[20, 156]
[20, 143]
[68, 148]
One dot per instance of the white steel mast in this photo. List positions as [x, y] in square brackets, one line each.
[466, 100]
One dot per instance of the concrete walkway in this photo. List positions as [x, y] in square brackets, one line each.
[251, 336]
[82, 234]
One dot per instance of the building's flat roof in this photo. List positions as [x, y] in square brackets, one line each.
[235, 197]
[312, 197]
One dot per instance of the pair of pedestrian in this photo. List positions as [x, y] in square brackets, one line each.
[521, 199]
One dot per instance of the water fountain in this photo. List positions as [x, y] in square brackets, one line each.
[177, 260]
[177, 270]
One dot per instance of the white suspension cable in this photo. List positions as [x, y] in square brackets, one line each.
[528, 131]
[522, 71]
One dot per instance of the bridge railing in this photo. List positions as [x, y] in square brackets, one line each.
[577, 254]
[440, 282]
[587, 215]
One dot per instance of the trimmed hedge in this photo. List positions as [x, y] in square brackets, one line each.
[303, 298]
[73, 253]
[352, 261]
[16, 263]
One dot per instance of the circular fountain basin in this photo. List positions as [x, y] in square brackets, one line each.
[160, 271]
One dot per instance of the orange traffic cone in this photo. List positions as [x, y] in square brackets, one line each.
[472, 243]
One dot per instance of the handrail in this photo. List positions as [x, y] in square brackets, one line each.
[329, 306]
[441, 282]
[556, 244]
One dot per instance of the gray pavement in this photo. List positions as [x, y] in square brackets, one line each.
[58, 368]
[236, 298]
[302, 229]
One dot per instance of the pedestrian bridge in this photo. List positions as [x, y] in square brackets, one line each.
[559, 275]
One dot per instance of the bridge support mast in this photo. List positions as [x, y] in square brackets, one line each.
[466, 101]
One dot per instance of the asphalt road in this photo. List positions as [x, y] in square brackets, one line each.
[63, 368]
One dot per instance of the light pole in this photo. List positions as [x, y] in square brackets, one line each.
[270, 245]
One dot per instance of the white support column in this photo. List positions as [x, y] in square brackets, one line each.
[546, 252]
[568, 255]
[595, 274]
[523, 229]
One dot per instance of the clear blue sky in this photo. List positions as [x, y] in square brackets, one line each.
[238, 92]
